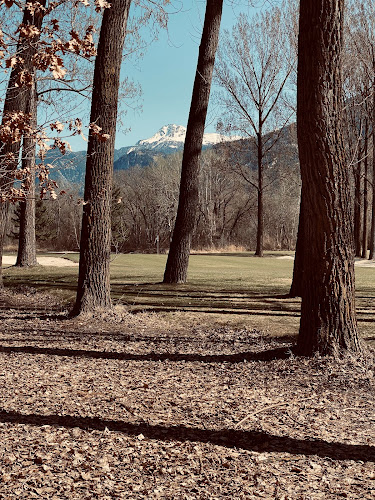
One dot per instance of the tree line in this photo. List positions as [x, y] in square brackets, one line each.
[226, 207]
[324, 263]
[144, 204]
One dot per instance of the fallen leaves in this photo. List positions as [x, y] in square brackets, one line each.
[127, 425]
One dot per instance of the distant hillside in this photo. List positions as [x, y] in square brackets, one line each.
[283, 151]
[141, 157]
[70, 168]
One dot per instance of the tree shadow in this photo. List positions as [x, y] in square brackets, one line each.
[268, 355]
[39, 284]
[46, 336]
[231, 438]
[279, 296]
[225, 254]
[213, 310]
[40, 314]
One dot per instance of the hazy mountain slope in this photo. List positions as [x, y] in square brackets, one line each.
[70, 168]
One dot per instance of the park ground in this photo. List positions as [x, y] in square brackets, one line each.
[184, 392]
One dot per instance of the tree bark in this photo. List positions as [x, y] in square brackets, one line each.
[372, 235]
[296, 288]
[328, 318]
[178, 257]
[260, 226]
[357, 203]
[93, 290]
[26, 256]
[365, 195]
[16, 100]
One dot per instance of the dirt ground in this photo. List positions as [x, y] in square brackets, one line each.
[146, 406]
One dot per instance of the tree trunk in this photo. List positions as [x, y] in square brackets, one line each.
[328, 319]
[365, 196]
[259, 246]
[372, 229]
[357, 203]
[93, 290]
[296, 287]
[178, 257]
[16, 100]
[26, 256]
[372, 236]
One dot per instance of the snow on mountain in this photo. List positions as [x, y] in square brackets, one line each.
[172, 137]
[215, 138]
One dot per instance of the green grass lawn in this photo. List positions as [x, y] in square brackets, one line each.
[236, 289]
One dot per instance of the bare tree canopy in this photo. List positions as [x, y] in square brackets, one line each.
[253, 66]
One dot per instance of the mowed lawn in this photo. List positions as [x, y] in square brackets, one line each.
[239, 289]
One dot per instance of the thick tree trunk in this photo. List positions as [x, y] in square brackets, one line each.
[372, 230]
[372, 236]
[365, 196]
[357, 203]
[26, 256]
[260, 226]
[93, 290]
[372, 233]
[296, 287]
[16, 100]
[178, 257]
[328, 319]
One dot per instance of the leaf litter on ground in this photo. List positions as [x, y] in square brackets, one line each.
[124, 405]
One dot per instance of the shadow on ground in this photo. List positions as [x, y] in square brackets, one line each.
[268, 355]
[231, 438]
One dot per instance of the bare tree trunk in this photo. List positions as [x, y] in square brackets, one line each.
[26, 256]
[178, 257]
[328, 318]
[357, 203]
[372, 229]
[16, 100]
[296, 288]
[372, 236]
[260, 226]
[365, 195]
[93, 290]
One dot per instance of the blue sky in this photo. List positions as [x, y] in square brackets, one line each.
[166, 73]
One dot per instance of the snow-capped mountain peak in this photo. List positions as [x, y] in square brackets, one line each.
[172, 137]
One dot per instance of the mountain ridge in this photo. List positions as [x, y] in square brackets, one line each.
[173, 136]
[169, 139]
